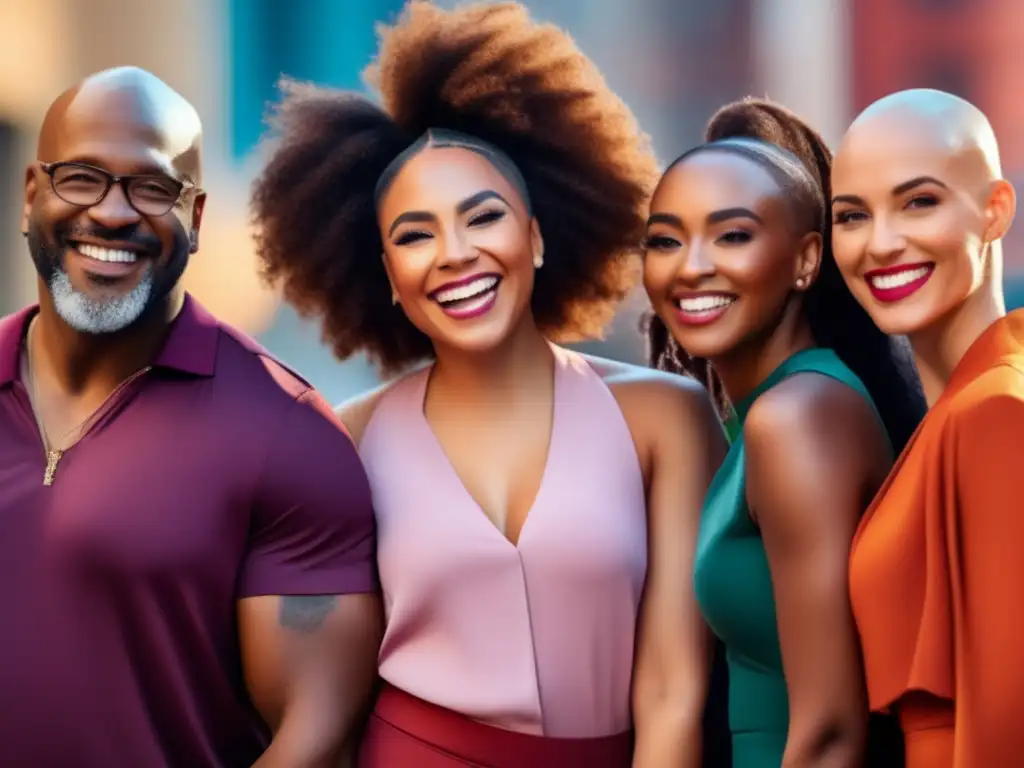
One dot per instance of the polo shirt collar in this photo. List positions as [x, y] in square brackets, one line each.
[191, 345]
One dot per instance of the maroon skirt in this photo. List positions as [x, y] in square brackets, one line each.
[406, 731]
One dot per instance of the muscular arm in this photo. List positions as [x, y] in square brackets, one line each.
[687, 445]
[310, 664]
[309, 615]
[815, 453]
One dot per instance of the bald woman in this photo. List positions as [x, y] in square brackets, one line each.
[919, 209]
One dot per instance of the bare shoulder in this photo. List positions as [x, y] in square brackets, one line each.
[356, 412]
[630, 382]
[812, 420]
[655, 402]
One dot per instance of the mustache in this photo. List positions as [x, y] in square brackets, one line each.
[129, 235]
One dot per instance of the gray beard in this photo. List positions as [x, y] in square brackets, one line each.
[87, 315]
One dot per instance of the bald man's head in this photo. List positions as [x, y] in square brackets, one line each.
[919, 207]
[126, 95]
[113, 204]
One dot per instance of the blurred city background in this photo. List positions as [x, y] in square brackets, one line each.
[673, 61]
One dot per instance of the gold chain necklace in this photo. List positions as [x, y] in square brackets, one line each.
[54, 455]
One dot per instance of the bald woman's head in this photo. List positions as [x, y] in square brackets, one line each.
[926, 118]
[919, 207]
[112, 204]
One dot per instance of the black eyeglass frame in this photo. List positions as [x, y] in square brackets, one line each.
[183, 186]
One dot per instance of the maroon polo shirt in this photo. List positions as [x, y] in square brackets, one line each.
[219, 475]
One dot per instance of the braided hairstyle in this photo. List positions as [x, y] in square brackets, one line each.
[777, 139]
[486, 71]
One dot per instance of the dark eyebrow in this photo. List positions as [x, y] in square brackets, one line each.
[665, 218]
[899, 189]
[473, 201]
[409, 216]
[426, 217]
[906, 186]
[851, 199]
[147, 169]
[717, 217]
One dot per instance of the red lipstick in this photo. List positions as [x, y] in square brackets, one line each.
[890, 284]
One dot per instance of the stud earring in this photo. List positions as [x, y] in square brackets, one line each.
[538, 259]
[394, 296]
[801, 282]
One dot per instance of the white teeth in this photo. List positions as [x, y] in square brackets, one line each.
[106, 254]
[705, 303]
[898, 279]
[473, 304]
[467, 291]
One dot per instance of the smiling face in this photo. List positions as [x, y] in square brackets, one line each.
[106, 264]
[913, 213]
[459, 249]
[722, 254]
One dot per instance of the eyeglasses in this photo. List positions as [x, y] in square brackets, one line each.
[86, 186]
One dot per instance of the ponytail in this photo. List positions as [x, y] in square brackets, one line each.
[798, 157]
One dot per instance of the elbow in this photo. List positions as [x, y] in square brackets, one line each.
[307, 744]
[832, 743]
[669, 713]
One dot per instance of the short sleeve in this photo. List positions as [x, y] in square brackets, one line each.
[988, 575]
[312, 525]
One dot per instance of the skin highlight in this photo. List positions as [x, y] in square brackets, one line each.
[124, 121]
[300, 654]
[917, 182]
[740, 275]
[490, 395]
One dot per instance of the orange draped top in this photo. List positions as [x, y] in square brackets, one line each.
[937, 569]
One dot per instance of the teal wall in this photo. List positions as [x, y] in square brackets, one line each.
[325, 41]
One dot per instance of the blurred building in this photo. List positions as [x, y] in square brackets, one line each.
[227, 57]
[965, 47]
[674, 62]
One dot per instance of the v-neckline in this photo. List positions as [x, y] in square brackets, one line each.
[553, 452]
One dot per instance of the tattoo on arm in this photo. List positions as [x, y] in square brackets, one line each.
[305, 613]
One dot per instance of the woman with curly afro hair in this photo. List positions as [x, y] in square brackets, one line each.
[739, 269]
[537, 509]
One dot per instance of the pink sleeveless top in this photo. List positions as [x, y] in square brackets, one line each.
[535, 638]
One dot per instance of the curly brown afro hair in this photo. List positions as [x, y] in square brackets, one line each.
[490, 71]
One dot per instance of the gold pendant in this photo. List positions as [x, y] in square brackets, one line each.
[52, 460]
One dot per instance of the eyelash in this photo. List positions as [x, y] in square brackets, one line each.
[479, 220]
[408, 238]
[486, 217]
[920, 201]
[659, 243]
[736, 237]
[926, 201]
[663, 243]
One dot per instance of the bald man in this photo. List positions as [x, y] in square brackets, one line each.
[919, 209]
[186, 535]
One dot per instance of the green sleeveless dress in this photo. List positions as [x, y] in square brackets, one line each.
[734, 588]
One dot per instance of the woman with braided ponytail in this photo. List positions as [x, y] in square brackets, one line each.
[537, 509]
[748, 299]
